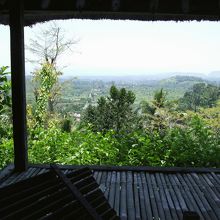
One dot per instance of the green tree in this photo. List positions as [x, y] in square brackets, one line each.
[5, 90]
[114, 112]
[47, 47]
[5, 104]
[201, 95]
[159, 98]
[155, 116]
[6, 141]
[211, 95]
[147, 108]
[47, 79]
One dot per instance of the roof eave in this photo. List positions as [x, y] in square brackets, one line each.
[33, 17]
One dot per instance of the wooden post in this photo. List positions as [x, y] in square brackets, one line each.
[18, 84]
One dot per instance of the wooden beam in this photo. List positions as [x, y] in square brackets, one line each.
[185, 6]
[2, 2]
[18, 84]
[154, 5]
[45, 4]
[133, 168]
[76, 193]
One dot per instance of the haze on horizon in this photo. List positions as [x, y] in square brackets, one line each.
[109, 47]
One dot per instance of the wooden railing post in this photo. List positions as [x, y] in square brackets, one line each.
[18, 84]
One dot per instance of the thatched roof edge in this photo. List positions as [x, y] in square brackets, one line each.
[148, 10]
[36, 17]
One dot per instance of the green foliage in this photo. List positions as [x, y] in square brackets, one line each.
[146, 108]
[149, 150]
[211, 117]
[5, 90]
[46, 91]
[159, 98]
[195, 145]
[78, 147]
[66, 125]
[157, 116]
[47, 145]
[6, 151]
[6, 143]
[114, 112]
[201, 95]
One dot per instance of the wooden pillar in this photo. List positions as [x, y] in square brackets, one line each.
[18, 84]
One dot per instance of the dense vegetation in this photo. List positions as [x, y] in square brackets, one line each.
[115, 127]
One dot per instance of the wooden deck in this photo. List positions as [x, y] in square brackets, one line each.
[148, 193]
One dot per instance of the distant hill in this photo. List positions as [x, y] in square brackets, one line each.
[134, 77]
[181, 81]
[215, 75]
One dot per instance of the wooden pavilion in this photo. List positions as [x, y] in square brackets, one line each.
[134, 192]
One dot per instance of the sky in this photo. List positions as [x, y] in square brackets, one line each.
[108, 47]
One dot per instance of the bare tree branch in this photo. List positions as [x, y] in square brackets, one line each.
[49, 44]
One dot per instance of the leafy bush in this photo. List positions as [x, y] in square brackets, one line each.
[5, 88]
[6, 152]
[196, 145]
[77, 147]
[6, 143]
